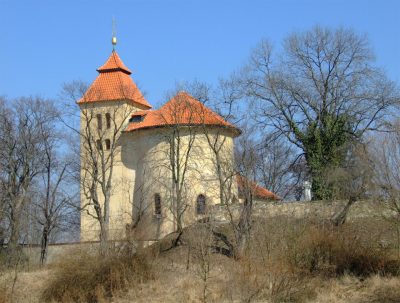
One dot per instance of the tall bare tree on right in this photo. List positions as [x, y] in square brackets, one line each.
[322, 92]
[386, 151]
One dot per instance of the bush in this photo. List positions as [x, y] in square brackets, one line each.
[337, 251]
[91, 278]
[13, 258]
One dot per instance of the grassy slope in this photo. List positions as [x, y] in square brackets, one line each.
[275, 269]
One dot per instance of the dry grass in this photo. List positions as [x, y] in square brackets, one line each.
[349, 289]
[337, 251]
[93, 278]
[288, 260]
[27, 288]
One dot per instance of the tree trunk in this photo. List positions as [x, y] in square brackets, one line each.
[14, 251]
[15, 226]
[104, 235]
[44, 244]
[178, 206]
[14, 235]
[244, 227]
[340, 218]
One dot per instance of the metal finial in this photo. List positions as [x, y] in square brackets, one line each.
[114, 38]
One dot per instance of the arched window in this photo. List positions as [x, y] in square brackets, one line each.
[157, 205]
[108, 120]
[99, 122]
[108, 144]
[99, 145]
[201, 204]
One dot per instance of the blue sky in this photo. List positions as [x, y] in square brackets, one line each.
[47, 43]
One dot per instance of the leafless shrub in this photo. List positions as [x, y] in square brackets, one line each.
[252, 281]
[288, 258]
[334, 252]
[90, 278]
[200, 244]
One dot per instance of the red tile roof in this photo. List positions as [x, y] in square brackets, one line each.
[114, 63]
[258, 191]
[114, 83]
[182, 109]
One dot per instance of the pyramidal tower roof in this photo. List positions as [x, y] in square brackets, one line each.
[114, 84]
[114, 63]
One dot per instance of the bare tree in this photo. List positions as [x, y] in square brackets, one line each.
[100, 157]
[386, 157]
[30, 186]
[180, 134]
[353, 180]
[246, 158]
[3, 208]
[245, 177]
[322, 92]
[100, 132]
[230, 171]
[278, 167]
[21, 156]
[56, 194]
[201, 244]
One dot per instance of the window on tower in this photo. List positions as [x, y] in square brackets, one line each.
[201, 204]
[99, 122]
[108, 120]
[157, 205]
[108, 144]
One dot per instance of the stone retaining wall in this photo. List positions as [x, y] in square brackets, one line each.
[314, 209]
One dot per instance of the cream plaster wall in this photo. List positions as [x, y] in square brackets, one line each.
[122, 183]
[147, 154]
[142, 169]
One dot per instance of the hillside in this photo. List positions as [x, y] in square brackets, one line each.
[288, 260]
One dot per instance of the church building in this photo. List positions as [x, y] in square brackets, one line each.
[151, 171]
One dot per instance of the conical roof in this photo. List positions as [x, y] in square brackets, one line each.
[182, 109]
[113, 84]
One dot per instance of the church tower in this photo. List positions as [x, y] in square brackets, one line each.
[106, 108]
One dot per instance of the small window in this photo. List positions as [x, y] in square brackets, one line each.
[99, 122]
[136, 119]
[108, 144]
[108, 120]
[201, 205]
[157, 205]
[99, 145]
